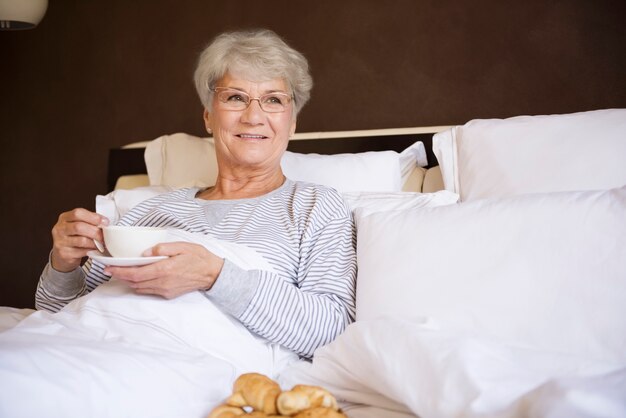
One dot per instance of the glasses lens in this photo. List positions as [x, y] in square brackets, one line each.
[274, 102]
[231, 99]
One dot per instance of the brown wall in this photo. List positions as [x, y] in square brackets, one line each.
[98, 74]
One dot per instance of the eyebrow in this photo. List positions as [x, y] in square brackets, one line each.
[266, 92]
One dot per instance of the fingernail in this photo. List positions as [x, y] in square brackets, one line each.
[107, 272]
[104, 221]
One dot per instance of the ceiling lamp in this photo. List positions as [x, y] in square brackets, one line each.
[21, 14]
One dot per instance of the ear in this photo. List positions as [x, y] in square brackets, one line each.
[292, 130]
[208, 121]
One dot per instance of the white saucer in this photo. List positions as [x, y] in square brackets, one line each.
[124, 261]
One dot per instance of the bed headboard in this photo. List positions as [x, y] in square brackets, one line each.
[129, 160]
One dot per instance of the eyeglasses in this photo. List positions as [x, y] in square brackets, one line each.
[237, 100]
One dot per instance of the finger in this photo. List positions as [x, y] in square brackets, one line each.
[145, 291]
[155, 288]
[74, 227]
[171, 249]
[127, 274]
[73, 247]
[69, 253]
[79, 242]
[137, 274]
[84, 215]
[65, 238]
[152, 287]
[82, 229]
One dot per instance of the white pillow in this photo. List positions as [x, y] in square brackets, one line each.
[546, 270]
[527, 154]
[370, 202]
[376, 171]
[182, 160]
[115, 204]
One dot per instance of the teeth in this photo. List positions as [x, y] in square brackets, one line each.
[252, 136]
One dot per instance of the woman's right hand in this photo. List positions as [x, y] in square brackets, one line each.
[73, 236]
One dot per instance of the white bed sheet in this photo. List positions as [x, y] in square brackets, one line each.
[10, 317]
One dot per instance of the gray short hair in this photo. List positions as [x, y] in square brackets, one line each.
[258, 54]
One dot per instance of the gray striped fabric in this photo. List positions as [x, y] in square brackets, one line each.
[305, 231]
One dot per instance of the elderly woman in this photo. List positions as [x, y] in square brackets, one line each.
[252, 86]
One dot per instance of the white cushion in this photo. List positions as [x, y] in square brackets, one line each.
[527, 154]
[115, 204]
[370, 202]
[546, 270]
[367, 171]
[182, 160]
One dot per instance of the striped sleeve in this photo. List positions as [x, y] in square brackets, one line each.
[56, 289]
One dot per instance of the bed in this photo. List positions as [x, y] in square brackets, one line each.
[491, 283]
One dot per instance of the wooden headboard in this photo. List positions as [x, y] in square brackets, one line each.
[130, 159]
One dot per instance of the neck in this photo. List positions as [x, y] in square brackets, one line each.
[227, 188]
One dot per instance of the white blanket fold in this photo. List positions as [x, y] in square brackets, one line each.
[428, 370]
[113, 353]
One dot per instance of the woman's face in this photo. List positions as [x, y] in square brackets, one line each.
[250, 138]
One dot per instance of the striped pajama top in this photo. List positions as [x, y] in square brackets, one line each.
[305, 232]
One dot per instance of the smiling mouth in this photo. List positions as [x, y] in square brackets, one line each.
[251, 136]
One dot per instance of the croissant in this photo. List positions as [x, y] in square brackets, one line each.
[226, 411]
[259, 414]
[302, 397]
[257, 391]
[320, 412]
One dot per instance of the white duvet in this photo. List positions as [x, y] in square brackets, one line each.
[113, 353]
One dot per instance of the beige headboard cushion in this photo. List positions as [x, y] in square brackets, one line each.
[433, 180]
[131, 181]
[415, 180]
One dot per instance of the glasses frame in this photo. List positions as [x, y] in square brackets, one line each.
[290, 98]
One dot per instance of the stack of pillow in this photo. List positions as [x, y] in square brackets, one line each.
[535, 253]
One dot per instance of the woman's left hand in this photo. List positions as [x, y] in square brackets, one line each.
[189, 267]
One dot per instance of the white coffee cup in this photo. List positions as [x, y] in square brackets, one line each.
[132, 241]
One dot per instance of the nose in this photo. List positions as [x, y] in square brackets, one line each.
[253, 114]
